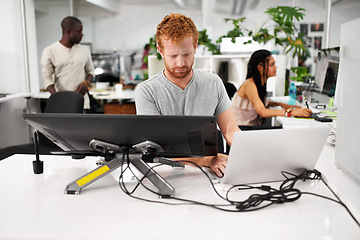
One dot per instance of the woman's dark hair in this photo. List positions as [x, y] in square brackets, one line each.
[260, 56]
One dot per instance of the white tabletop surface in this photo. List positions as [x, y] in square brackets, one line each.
[98, 94]
[125, 94]
[14, 96]
[35, 207]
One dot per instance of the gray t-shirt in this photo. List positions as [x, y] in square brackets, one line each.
[205, 95]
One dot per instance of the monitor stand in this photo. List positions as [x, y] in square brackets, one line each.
[144, 152]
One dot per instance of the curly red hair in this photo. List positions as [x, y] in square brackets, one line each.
[176, 27]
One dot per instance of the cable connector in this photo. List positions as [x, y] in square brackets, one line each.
[265, 188]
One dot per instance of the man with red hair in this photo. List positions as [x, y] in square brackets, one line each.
[181, 90]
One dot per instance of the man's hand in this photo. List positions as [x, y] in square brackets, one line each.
[82, 88]
[218, 164]
[51, 88]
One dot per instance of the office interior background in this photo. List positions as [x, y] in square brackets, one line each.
[124, 26]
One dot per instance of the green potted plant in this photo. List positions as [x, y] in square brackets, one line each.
[237, 31]
[152, 43]
[281, 29]
[206, 42]
[302, 74]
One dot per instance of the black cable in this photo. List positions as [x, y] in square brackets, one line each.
[291, 179]
[174, 198]
[285, 193]
[217, 206]
[339, 201]
[275, 196]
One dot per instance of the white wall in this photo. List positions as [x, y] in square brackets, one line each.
[347, 153]
[12, 50]
[14, 70]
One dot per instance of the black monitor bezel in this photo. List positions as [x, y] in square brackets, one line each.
[73, 132]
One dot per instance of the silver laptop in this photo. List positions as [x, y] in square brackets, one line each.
[260, 155]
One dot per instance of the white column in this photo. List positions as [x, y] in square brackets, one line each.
[327, 23]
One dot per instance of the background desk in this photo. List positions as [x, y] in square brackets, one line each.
[111, 101]
[287, 122]
[35, 207]
[101, 95]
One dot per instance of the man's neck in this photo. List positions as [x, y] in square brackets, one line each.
[67, 44]
[180, 82]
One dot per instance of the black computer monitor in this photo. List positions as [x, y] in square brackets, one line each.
[183, 135]
[330, 78]
[107, 67]
[327, 71]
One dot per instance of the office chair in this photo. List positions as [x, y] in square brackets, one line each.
[267, 126]
[230, 89]
[58, 102]
[65, 102]
[220, 142]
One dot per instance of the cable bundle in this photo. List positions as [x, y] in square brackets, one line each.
[285, 193]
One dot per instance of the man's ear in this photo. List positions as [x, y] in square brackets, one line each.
[159, 50]
[197, 42]
[67, 31]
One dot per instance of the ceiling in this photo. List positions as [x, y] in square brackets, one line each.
[229, 7]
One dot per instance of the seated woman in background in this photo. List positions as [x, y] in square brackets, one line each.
[249, 102]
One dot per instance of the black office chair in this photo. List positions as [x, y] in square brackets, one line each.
[59, 102]
[266, 126]
[65, 102]
[220, 142]
[230, 89]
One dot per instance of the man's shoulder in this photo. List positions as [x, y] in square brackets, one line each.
[53, 45]
[50, 50]
[81, 46]
[151, 82]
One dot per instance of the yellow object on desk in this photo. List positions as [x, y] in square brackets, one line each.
[331, 114]
[331, 102]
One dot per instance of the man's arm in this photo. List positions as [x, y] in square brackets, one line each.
[47, 71]
[227, 124]
[89, 70]
[83, 86]
[228, 127]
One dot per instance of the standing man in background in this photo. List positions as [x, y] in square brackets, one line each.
[181, 90]
[67, 65]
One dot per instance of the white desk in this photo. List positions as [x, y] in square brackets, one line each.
[109, 95]
[101, 95]
[35, 207]
[14, 96]
[295, 122]
[342, 184]
[288, 122]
